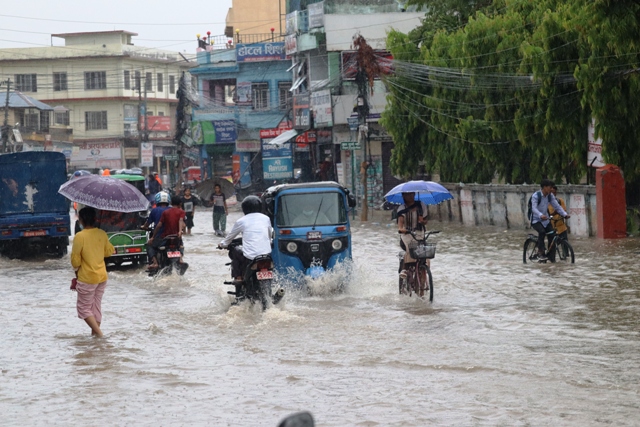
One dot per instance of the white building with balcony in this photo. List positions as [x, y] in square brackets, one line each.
[109, 95]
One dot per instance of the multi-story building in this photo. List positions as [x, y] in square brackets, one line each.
[244, 93]
[320, 40]
[252, 17]
[110, 95]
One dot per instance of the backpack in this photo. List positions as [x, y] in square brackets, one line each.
[529, 209]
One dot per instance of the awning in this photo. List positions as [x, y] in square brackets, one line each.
[297, 83]
[292, 67]
[284, 137]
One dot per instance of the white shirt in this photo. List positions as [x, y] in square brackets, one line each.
[256, 235]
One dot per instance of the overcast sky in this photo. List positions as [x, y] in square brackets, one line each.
[162, 24]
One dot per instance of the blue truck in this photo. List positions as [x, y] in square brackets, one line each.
[34, 217]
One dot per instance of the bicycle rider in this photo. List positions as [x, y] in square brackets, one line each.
[411, 217]
[540, 200]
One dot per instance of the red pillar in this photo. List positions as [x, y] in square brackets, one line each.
[611, 203]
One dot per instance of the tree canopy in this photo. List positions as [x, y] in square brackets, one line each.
[509, 87]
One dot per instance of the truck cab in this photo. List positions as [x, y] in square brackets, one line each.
[34, 217]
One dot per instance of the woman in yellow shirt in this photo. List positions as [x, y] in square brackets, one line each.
[90, 247]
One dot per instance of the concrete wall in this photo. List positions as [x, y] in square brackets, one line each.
[506, 206]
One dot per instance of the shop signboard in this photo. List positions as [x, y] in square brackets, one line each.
[277, 160]
[94, 155]
[269, 51]
[146, 154]
[594, 148]
[321, 107]
[316, 14]
[301, 112]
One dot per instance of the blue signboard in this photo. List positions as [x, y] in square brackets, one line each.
[277, 160]
[273, 51]
[225, 131]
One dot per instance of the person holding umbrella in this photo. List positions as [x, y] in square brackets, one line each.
[411, 217]
[90, 247]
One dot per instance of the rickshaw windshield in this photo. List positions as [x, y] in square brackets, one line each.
[110, 221]
[308, 209]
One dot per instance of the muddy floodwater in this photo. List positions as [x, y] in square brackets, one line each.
[503, 343]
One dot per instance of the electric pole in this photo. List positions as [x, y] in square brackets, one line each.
[182, 120]
[5, 126]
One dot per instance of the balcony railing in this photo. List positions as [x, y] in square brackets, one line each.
[240, 38]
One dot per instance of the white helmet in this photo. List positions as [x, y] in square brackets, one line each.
[163, 197]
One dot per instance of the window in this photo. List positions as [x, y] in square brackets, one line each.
[127, 79]
[95, 120]
[137, 80]
[95, 80]
[160, 82]
[61, 118]
[59, 82]
[26, 82]
[260, 95]
[284, 95]
[148, 82]
[28, 118]
[172, 85]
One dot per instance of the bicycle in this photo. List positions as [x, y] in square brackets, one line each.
[559, 249]
[418, 278]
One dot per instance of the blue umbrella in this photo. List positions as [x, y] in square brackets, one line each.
[81, 173]
[428, 192]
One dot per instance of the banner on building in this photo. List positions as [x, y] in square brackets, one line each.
[594, 149]
[146, 154]
[214, 132]
[277, 160]
[158, 124]
[290, 44]
[95, 155]
[321, 107]
[301, 112]
[316, 14]
[273, 51]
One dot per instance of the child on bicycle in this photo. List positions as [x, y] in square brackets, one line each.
[540, 200]
[557, 221]
[411, 217]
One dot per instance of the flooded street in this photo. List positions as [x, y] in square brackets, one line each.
[502, 344]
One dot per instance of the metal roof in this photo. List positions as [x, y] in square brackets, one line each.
[20, 100]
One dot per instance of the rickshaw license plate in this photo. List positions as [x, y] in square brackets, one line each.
[35, 233]
[264, 275]
[314, 235]
[173, 254]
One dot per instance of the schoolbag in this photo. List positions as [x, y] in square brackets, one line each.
[529, 209]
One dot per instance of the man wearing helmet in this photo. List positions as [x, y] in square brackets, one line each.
[256, 231]
[162, 204]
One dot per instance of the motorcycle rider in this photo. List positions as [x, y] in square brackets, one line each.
[171, 223]
[162, 204]
[256, 231]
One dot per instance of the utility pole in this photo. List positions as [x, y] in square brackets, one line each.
[182, 120]
[5, 126]
[368, 69]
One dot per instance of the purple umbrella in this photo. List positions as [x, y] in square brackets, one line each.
[103, 192]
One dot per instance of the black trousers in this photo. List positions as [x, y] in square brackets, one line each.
[542, 231]
[239, 262]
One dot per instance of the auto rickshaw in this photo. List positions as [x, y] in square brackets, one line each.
[311, 226]
[123, 229]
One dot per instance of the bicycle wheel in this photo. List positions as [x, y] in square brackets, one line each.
[425, 281]
[564, 252]
[530, 250]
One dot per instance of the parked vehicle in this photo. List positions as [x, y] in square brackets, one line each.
[311, 226]
[34, 218]
[169, 257]
[257, 282]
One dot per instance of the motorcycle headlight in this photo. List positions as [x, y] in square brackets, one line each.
[292, 247]
[336, 245]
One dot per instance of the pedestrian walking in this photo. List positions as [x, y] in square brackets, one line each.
[189, 207]
[220, 211]
[90, 247]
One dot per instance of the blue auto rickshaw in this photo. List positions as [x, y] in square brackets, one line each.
[311, 226]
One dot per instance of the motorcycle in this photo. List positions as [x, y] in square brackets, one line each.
[169, 257]
[257, 281]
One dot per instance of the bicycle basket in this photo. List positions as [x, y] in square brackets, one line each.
[422, 250]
